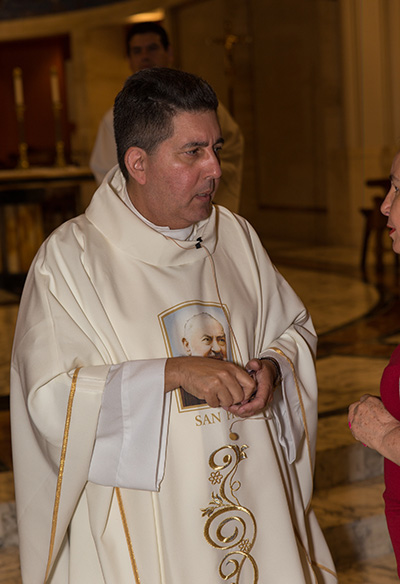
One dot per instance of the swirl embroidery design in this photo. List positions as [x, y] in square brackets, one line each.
[229, 525]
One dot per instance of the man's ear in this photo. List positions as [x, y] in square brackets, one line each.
[135, 162]
[186, 346]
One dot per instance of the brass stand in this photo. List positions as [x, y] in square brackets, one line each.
[60, 157]
[23, 161]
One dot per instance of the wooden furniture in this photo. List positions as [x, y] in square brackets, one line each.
[33, 202]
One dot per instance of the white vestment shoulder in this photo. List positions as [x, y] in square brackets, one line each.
[104, 289]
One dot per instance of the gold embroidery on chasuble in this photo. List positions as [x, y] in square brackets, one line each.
[230, 526]
[202, 329]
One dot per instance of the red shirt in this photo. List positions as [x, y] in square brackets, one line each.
[390, 393]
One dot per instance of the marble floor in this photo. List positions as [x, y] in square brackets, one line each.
[357, 317]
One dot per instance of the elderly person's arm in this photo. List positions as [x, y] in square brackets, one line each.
[375, 427]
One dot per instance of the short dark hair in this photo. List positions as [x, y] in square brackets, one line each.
[144, 28]
[145, 107]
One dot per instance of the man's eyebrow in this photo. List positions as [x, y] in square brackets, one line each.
[203, 144]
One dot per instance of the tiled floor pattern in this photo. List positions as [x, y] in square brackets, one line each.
[358, 322]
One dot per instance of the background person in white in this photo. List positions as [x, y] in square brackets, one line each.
[148, 46]
[139, 473]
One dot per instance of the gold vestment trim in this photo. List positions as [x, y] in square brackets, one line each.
[127, 535]
[59, 485]
[61, 470]
[303, 411]
[307, 434]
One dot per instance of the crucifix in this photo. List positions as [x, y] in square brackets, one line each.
[229, 41]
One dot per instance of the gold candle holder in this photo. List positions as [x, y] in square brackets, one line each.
[23, 161]
[57, 107]
[60, 156]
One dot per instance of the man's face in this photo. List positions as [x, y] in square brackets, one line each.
[206, 339]
[146, 51]
[180, 178]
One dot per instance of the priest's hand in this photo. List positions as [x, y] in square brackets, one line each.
[219, 383]
[224, 384]
[264, 373]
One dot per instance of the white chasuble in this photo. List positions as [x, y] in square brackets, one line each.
[104, 289]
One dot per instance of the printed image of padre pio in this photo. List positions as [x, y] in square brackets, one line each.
[204, 336]
[196, 330]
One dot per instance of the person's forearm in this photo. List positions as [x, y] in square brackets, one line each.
[172, 377]
[389, 445]
[372, 424]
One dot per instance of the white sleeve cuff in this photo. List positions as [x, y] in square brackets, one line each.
[131, 438]
[286, 409]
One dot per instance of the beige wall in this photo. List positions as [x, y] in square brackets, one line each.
[200, 32]
[371, 98]
[314, 86]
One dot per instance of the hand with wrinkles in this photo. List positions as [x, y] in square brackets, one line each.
[222, 383]
[264, 374]
[375, 427]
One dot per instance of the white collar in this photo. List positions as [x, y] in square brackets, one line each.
[184, 234]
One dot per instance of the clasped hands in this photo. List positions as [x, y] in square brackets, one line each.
[242, 392]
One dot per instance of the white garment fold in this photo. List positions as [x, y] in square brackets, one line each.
[131, 436]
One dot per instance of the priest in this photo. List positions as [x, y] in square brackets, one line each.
[118, 478]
